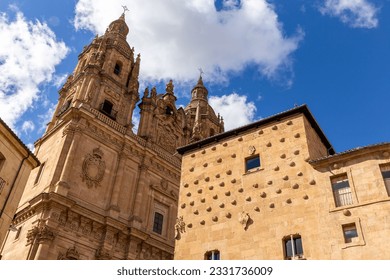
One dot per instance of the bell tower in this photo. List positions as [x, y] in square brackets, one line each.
[105, 78]
[101, 192]
[201, 118]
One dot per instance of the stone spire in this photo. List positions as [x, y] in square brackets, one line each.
[118, 27]
[169, 97]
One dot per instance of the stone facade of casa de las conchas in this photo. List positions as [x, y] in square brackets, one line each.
[275, 189]
[102, 191]
[183, 188]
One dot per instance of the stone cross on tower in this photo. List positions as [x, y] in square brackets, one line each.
[201, 71]
[125, 9]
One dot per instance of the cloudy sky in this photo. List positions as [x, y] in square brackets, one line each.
[258, 57]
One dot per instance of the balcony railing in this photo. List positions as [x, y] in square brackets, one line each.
[109, 112]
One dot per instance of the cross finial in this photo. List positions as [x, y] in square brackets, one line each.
[125, 9]
[201, 71]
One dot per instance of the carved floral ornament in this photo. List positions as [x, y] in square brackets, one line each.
[40, 234]
[93, 168]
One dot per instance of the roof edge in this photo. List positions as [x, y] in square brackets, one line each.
[303, 109]
[349, 152]
[19, 141]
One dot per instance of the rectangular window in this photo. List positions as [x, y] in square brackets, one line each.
[158, 223]
[212, 255]
[293, 247]
[341, 191]
[350, 232]
[252, 163]
[41, 167]
[385, 169]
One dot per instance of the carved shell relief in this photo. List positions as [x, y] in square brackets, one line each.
[93, 168]
[251, 150]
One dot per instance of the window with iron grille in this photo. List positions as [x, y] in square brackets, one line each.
[293, 248]
[341, 191]
[212, 255]
[158, 222]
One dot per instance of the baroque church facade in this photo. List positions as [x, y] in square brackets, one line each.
[102, 191]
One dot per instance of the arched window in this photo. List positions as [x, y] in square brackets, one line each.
[212, 131]
[117, 68]
[168, 110]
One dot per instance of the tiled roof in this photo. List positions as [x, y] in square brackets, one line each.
[350, 151]
[19, 141]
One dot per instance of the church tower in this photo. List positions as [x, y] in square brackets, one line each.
[105, 78]
[169, 127]
[161, 122]
[200, 115]
[103, 192]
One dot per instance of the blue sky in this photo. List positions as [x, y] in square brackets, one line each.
[259, 58]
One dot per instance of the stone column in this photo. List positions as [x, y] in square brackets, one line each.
[62, 185]
[118, 182]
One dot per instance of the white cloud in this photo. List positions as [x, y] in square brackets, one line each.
[177, 37]
[59, 80]
[29, 53]
[355, 13]
[230, 4]
[28, 126]
[234, 108]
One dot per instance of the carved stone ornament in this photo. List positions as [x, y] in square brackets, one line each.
[40, 234]
[251, 150]
[102, 254]
[244, 219]
[180, 227]
[71, 254]
[93, 168]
